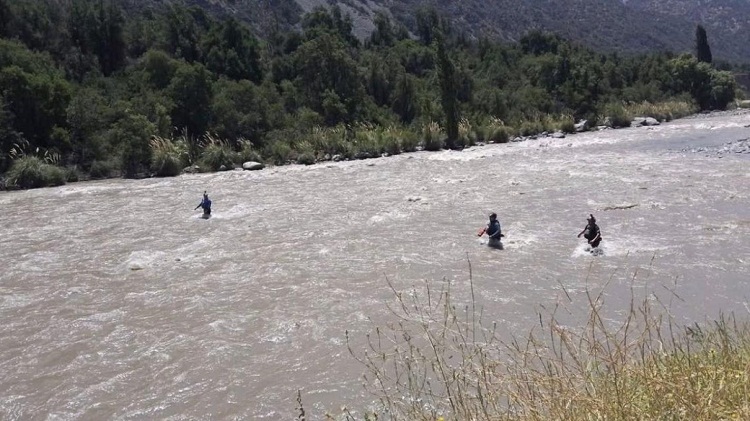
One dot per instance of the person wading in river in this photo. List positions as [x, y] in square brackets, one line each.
[493, 230]
[591, 232]
[205, 204]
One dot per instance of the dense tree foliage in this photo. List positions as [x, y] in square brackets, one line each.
[702, 49]
[95, 89]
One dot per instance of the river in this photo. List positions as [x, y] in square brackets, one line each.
[118, 302]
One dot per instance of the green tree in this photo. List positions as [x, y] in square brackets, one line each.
[230, 49]
[38, 102]
[428, 23]
[702, 49]
[320, 21]
[86, 120]
[184, 29]
[239, 110]
[6, 16]
[405, 98]
[109, 42]
[384, 34]
[448, 92]
[8, 135]
[324, 64]
[132, 134]
[190, 91]
[158, 68]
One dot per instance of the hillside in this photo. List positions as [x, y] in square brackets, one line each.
[628, 26]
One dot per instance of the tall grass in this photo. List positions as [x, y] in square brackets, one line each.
[168, 157]
[433, 136]
[617, 115]
[33, 168]
[496, 131]
[217, 153]
[29, 172]
[662, 111]
[440, 359]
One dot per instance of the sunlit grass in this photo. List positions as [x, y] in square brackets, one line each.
[439, 359]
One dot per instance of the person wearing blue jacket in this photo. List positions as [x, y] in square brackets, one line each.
[205, 204]
[493, 230]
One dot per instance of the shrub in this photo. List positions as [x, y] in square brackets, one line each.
[465, 137]
[279, 152]
[30, 172]
[409, 140]
[331, 140]
[392, 140]
[305, 153]
[617, 115]
[663, 111]
[566, 124]
[167, 158]
[496, 131]
[531, 128]
[216, 153]
[368, 142]
[104, 169]
[432, 134]
[215, 156]
[248, 152]
[72, 174]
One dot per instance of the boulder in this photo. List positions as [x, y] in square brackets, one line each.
[638, 121]
[191, 169]
[558, 135]
[252, 166]
[650, 121]
[582, 126]
[336, 158]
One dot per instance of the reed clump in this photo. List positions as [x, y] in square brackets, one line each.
[440, 360]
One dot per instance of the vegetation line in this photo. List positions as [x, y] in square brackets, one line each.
[94, 93]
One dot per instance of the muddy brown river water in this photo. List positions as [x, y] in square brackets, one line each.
[118, 302]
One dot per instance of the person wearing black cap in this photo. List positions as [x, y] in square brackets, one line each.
[493, 230]
[591, 232]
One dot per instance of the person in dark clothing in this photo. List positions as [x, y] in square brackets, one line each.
[205, 204]
[493, 230]
[591, 232]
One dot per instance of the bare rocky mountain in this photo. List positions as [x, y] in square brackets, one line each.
[627, 26]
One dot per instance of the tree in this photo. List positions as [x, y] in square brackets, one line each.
[230, 49]
[132, 133]
[85, 118]
[37, 100]
[404, 98]
[448, 92]
[190, 91]
[383, 35]
[324, 64]
[240, 111]
[8, 135]
[320, 21]
[97, 28]
[6, 17]
[702, 49]
[109, 42]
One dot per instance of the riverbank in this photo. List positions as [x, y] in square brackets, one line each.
[443, 361]
[171, 157]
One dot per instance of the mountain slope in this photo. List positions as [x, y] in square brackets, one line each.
[629, 26]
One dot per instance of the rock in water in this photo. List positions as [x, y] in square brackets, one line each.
[252, 166]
